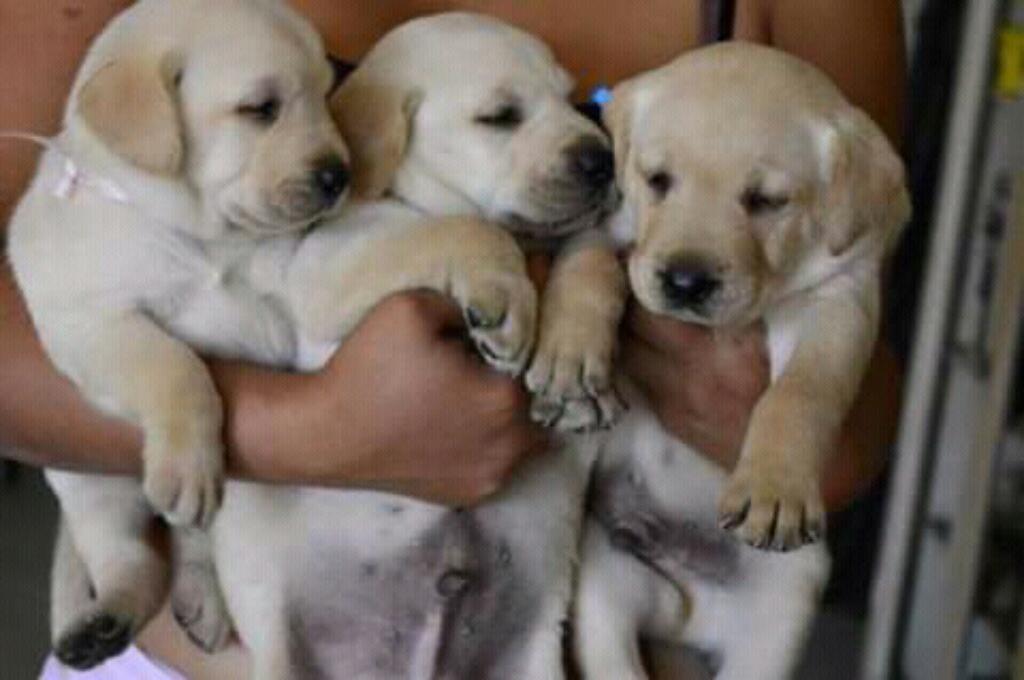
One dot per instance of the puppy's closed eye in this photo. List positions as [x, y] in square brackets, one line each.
[506, 117]
[660, 183]
[263, 111]
[757, 203]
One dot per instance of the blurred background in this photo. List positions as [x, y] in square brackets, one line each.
[928, 579]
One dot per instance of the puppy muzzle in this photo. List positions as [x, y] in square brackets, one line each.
[558, 208]
[591, 164]
[693, 288]
[314, 195]
[689, 284]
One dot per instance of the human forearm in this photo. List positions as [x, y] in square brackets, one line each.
[865, 442]
[271, 432]
[45, 421]
[704, 389]
[861, 46]
[401, 407]
[43, 418]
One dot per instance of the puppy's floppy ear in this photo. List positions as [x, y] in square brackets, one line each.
[617, 118]
[375, 120]
[131, 105]
[864, 178]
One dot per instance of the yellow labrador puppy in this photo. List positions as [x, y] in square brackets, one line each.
[195, 132]
[752, 191]
[453, 114]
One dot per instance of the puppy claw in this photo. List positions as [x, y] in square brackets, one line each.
[185, 484]
[611, 406]
[487, 352]
[812, 532]
[199, 608]
[580, 416]
[764, 539]
[577, 380]
[730, 520]
[777, 514]
[546, 412]
[501, 316]
[476, 318]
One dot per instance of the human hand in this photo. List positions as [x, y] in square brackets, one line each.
[417, 411]
[703, 385]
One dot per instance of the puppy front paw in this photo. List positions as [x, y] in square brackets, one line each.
[184, 475]
[570, 378]
[772, 509]
[500, 308]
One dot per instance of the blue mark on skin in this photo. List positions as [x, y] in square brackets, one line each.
[601, 95]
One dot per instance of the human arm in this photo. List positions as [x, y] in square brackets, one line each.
[361, 421]
[38, 407]
[704, 387]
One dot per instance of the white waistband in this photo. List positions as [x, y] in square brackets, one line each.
[131, 665]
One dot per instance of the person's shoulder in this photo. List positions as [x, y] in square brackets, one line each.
[61, 18]
[54, 33]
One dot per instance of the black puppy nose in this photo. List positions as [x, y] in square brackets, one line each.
[593, 162]
[331, 177]
[688, 285]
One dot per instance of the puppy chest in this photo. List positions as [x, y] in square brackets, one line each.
[217, 307]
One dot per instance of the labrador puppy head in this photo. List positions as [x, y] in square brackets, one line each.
[462, 113]
[747, 176]
[226, 96]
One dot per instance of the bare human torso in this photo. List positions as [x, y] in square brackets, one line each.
[599, 41]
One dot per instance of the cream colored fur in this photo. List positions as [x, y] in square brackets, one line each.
[748, 165]
[130, 245]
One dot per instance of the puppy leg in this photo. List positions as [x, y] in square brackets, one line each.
[772, 499]
[618, 599]
[135, 369]
[196, 598]
[272, 661]
[107, 520]
[478, 264]
[570, 375]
